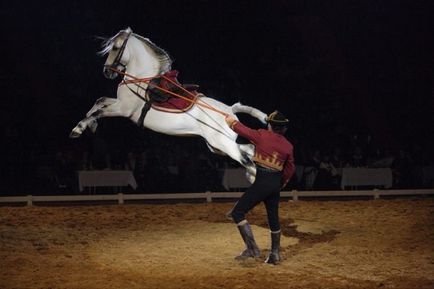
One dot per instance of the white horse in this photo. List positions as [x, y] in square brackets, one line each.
[141, 58]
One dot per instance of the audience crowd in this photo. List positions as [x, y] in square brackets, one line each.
[163, 163]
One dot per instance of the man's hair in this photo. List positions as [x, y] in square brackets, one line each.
[278, 122]
[278, 128]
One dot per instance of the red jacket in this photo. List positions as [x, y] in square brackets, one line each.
[273, 150]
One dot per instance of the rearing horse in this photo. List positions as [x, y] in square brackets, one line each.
[140, 58]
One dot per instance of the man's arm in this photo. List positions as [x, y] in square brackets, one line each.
[242, 130]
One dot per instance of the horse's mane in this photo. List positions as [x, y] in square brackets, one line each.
[162, 56]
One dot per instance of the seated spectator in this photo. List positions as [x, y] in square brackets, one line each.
[100, 155]
[141, 172]
[402, 169]
[327, 176]
[357, 158]
[381, 159]
[337, 158]
[64, 170]
[85, 163]
[130, 162]
[311, 169]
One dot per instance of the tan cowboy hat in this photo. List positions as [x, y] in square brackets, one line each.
[277, 118]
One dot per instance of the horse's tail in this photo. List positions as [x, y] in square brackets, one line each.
[238, 107]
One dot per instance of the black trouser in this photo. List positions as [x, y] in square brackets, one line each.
[266, 188]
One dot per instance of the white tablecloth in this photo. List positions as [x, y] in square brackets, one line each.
[235, 178]
[354, 177]
[106, 179]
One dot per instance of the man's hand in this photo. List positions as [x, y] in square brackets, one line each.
[230, 121]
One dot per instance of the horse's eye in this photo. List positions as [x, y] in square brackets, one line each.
[115, 48]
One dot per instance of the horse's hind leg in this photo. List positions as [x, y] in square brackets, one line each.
[240, 153]
[247, 151]
[90, 121]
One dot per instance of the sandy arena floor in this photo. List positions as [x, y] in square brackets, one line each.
[327, 244]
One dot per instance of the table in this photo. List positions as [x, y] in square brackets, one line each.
[106, 178]
[354, 177]
[235, 178]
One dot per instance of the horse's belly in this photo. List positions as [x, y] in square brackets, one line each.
[171, 123]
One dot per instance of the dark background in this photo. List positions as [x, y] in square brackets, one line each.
[335, 68]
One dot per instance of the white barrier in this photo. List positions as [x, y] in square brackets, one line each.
[208, 196]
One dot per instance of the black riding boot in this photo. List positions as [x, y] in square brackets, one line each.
[252, 250]
[274, 256]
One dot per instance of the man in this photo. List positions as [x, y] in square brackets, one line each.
[275, 165]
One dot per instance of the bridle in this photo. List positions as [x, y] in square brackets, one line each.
[117, 62]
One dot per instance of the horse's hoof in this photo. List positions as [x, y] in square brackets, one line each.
[251, 178]
[75, 134]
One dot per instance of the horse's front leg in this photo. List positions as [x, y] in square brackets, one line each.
[100, 103]
[86, 122]
[90, 121]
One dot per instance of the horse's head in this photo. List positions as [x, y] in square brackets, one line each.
[118, 56]
[127, 50]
